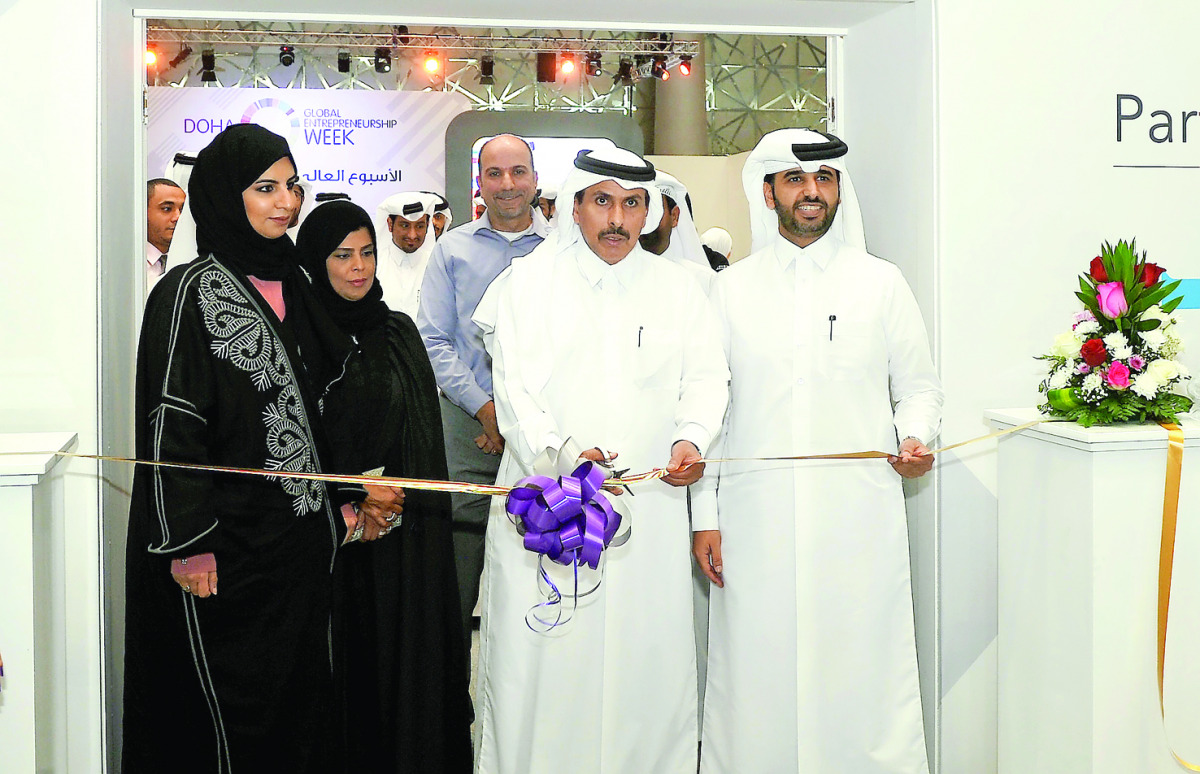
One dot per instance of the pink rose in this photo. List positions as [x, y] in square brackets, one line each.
[1111, 297]
[1117, 376]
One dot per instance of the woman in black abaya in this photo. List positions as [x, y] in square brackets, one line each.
[238, 680]
[399, 667]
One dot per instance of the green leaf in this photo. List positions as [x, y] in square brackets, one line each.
[1170, 305]
[1147, 325]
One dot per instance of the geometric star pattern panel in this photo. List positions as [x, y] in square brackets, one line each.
[753, 83]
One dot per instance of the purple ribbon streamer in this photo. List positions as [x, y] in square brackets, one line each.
[569, 520]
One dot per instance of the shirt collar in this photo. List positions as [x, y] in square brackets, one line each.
[820, 252]
[153, 255]
[594, 269]
[541, 226]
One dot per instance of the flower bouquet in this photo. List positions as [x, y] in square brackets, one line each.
[1118, 362]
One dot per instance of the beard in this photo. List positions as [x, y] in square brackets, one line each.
[793, 225]
[658, 240]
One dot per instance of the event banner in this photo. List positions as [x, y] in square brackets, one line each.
[367, 144]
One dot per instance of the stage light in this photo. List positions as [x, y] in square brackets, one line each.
[287, 56]
[208, 65]
[592, 68]
[151, 57]
[685, 65]
[547, 67]
[566, 63]
[487, 68]
[624, 75]
[659, 68]
[383, 60]
[343, 61]
[433, 64]
[183, 54]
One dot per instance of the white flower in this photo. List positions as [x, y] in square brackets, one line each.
[1173, 346]
[1066, 345]
[1115, 340]
[1086, 327]
[1154, 340]
[1146, 385]
[1156, 313]
[1121, 353]
[1060, 378]
[1093, 382]
[1164, 370]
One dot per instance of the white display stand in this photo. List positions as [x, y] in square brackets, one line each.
[25, 711]
[1080, 524]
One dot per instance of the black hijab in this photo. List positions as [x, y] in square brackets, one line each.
[224, 169]
[320, 234]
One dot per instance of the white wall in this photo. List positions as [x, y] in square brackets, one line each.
[48, 313]
[1027, 191]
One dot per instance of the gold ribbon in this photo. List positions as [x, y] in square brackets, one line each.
[866, 455]
[485, 489]
[1166, 564]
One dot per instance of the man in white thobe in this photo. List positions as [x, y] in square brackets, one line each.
[593, 339]
[441, 218]
[403, 256]
[812, 659]
[675, 237]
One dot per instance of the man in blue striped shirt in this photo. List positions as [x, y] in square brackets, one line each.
[463, 264]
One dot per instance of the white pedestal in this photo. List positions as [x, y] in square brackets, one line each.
[26, 714]
[1080, 523]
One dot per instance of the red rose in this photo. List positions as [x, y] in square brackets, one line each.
[1093, 352]
[1098, 272]
[1150, 274]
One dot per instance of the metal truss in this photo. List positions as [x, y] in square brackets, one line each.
[663, 44]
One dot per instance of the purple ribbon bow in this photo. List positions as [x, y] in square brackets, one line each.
[568, 520]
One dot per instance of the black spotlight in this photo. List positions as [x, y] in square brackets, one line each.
[183, 54]
[659, 68]
[624, 75]
[383, 60]
[487, 69]
[343, 61]
[592, 66]
[208, 64]
[547, 67]
[685, 65]
[287, 56]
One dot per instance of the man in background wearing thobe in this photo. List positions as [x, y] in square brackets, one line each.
[812, 657]
[403, 257]
[164, 205]
[442, 218]
[596, 340]
[466, 259]
[675, 237]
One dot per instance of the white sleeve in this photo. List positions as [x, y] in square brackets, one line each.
[915, 387]
[703, 401]
[526, 426]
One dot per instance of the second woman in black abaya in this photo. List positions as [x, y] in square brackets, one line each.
[400, 672]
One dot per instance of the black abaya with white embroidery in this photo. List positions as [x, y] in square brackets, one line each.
[240, 681]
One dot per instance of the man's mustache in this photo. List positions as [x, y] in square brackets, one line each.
[616, 231]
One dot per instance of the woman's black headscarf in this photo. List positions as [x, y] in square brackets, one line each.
[320, 234]
[232, 161]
